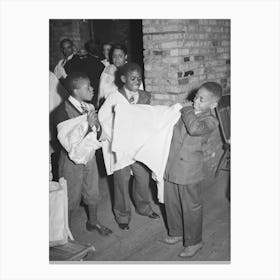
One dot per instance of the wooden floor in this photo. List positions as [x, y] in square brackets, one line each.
[142, 242]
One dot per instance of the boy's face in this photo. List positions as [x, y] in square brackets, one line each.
[118, 58]
[204, 101]
[67, 49]
[132, 80]
[84, 91]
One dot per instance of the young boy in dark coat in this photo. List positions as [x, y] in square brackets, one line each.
[82, 179]
[183, 174]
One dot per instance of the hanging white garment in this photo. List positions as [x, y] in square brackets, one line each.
[107, 82]
[137, 133]
[143, 133]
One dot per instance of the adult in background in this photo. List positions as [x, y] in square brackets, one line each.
[110, 80]
[66, 47]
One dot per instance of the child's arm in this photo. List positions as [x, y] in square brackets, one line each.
[93, 121]
[196, 126]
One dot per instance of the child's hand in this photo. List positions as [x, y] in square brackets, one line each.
[93, 119]
[187, 103]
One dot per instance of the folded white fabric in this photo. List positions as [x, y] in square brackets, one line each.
[72, 136]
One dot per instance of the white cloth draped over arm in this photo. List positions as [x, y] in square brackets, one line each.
[107, 82]
[59, 70]
[72, 136]
[106, 118]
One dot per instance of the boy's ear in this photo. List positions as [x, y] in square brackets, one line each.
[74, 92]
[123, 79]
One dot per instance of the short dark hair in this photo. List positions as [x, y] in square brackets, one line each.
[117, 47]
[214, 88]
[73, 79]
[64, 41]
[130, 67]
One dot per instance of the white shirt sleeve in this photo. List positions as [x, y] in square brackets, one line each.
[107, 82]
[59, 70]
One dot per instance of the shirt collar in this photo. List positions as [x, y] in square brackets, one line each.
[69, 57]
[130, 93]
[76, 103]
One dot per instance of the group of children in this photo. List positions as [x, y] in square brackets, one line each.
[183, 173]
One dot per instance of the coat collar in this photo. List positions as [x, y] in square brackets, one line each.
[122, 91]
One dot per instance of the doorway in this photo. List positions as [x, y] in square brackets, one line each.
[127, 32]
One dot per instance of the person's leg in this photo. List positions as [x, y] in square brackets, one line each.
[122, 208]
[173, 212]
[191, 200]
[91, 196]
[73, 174]
[141, 191]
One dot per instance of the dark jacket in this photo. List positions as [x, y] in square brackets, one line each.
[185, 160]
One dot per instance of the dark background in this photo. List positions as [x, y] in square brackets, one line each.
[127, 32]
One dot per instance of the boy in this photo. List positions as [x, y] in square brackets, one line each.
[183, 173]
[130, 74]
[82, 179]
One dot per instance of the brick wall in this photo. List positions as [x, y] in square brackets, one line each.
[179, 55]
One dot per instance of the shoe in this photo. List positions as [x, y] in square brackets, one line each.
[124, 226]
[102, 230]
[190, 251]
[152, 215]
[171, 240]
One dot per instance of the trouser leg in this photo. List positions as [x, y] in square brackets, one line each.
[122, 208]
[92, 213]
[73, 174]
[191, 200]
[173, 209]
[141, 191]
[90, 189]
